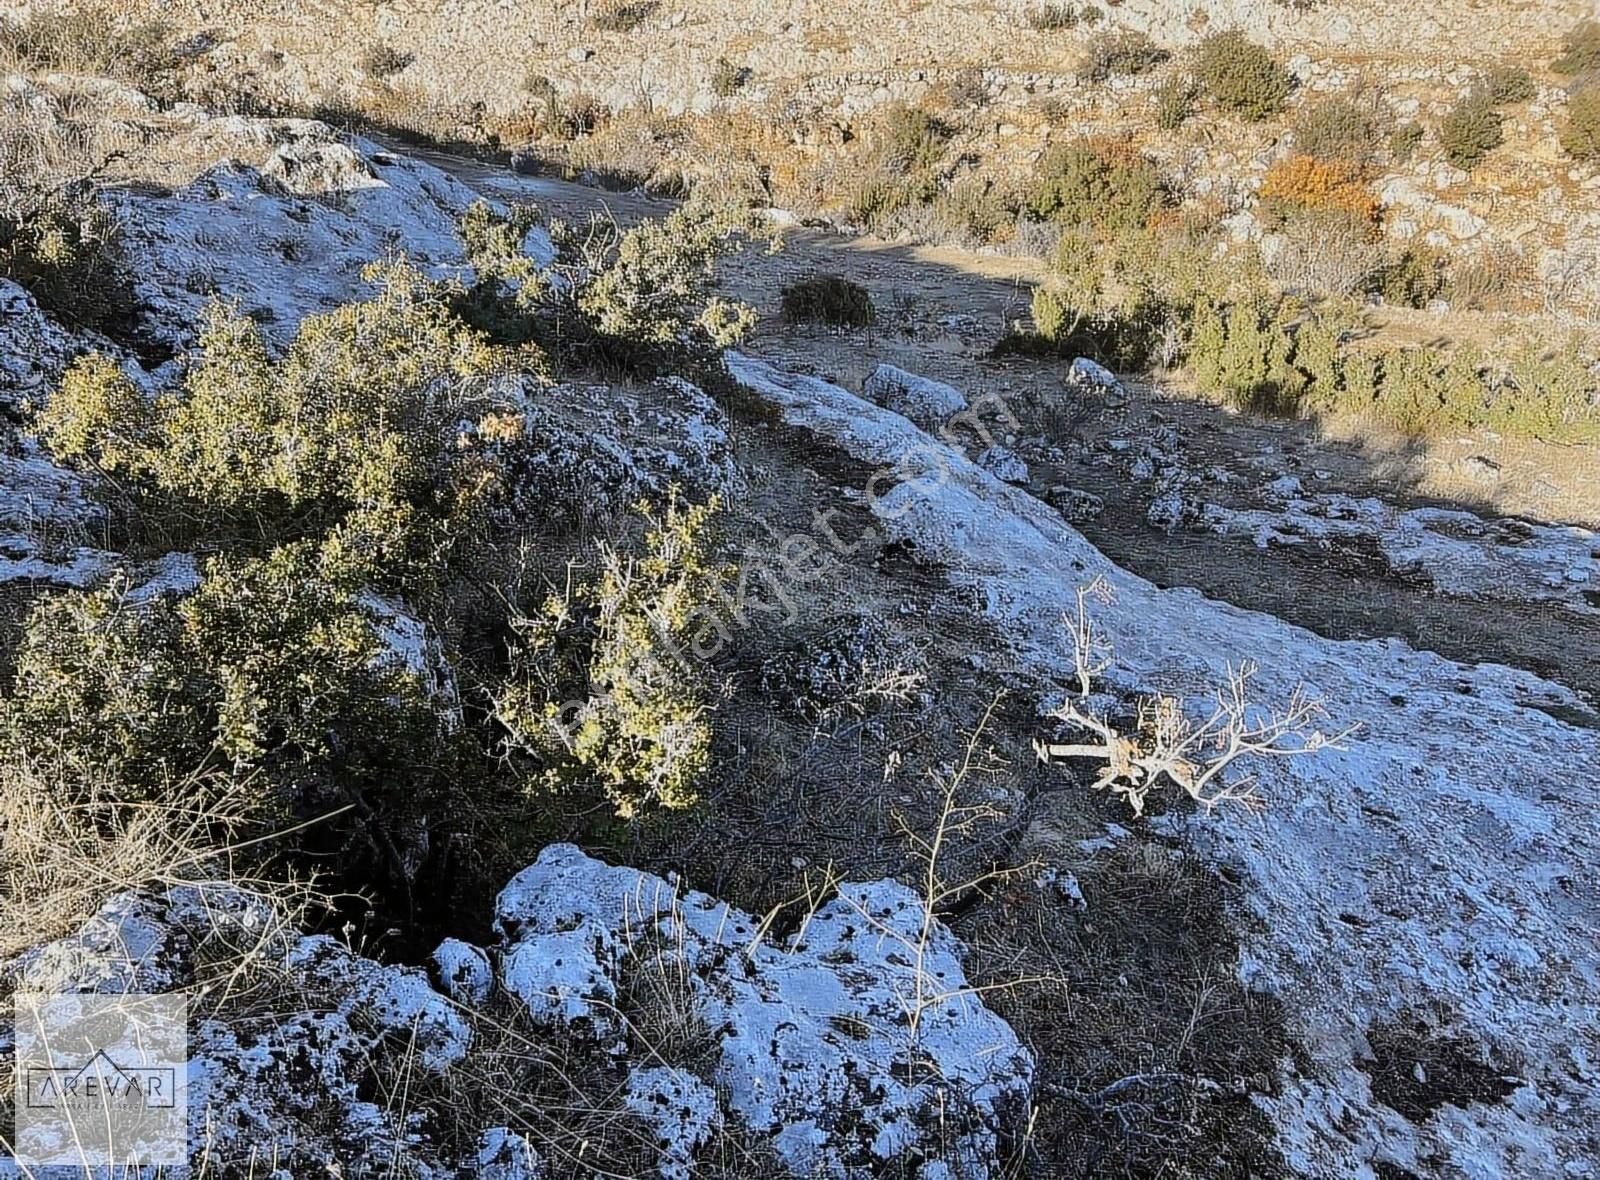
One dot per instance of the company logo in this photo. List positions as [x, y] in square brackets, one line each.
[101, 1080]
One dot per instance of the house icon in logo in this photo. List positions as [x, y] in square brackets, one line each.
[101, 1082]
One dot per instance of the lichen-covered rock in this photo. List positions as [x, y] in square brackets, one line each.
[294, 1084]
[926, 402]
[1004, 464]
[860, 1041]
[462, 971]
[588, 449]
[681, 1108]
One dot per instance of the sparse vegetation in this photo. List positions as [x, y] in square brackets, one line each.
[1107, 186]
[728, 79]
[1176, 98]
[1471, 130]
[1509, 85]
[1580, 50]
[829, 299]
[1123, 53]
[1348, 127]
[605, 682]
[1404, 141]
[1242, 77]
[1580, 134]
[626, 17]
[382, 61]
[1054, 16]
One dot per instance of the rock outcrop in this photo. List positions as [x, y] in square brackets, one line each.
[854, 1043]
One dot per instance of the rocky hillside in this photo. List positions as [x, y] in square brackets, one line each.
[577, 684]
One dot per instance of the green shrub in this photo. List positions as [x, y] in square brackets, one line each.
[1404, 141]
[829, 299]
[1106, 186]
[646, 300]
[1580, 50]
[1242, 354]
[1242, 77]
[1580, 134]
[912, 140]
[1415, 277]
[1054, 16]
[104, 690]
[354, 431]
[626, 17]
[1471, 130]
[1509, 85]
[618, 652]
[381, 61]
[1112, 54]
[1348, 127]
[728, 79]
[1175, 100]
[66, 248]
[270, 672]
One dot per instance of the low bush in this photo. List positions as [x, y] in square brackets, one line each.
[1580, 134]
[1509, 85]
[1108, 186]
[1307, 183]
[911, 140]
[1243, 78]
[1175, 100]
[382, 61]
[1415, 277]
[829, 299]
[66, 248]
[626, 17]
[1348, 127]
[728, 79]
[605, 686]
[271, 673]
[1471, 130]
[967, 90]
[354, 433]
[1054, 16]
[1325, 251]
[1123, 53]
[1580, 50]
[1404, 142]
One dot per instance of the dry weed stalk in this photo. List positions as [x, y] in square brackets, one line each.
[1167, 743]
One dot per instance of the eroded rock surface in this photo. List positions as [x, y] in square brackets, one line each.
[1440, 863]
[855, 1043]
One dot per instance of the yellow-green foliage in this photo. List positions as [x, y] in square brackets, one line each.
[630, 712]
[354, 430]
[98, 417]
[1471, 130]
[1580, 50]
[1107, 186]
[67, 250]
[1242, 77]
[1580, 134]
[104, 691]
[1175, 100]
[644, 300]
[270, 669]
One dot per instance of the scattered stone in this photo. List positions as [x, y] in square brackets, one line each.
[1074, 504]
[926, 402]
[811, 1034]
[1004, 464]
[462, 972]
